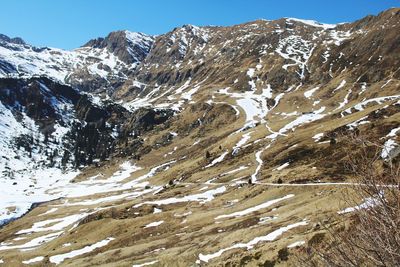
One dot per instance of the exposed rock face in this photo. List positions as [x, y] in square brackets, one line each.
[143, 120]
[129, 47]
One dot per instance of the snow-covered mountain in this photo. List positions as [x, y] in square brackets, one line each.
[97, 65]
[204, 145]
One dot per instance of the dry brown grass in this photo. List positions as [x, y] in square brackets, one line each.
[371, 235]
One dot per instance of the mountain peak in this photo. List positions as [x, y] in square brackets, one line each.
[129, 47]
[312, 23]
[15, 40]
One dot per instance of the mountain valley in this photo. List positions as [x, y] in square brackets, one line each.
[203, 146]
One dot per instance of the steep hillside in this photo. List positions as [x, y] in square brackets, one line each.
[214, 146]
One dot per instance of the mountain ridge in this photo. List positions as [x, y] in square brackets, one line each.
[367, 17]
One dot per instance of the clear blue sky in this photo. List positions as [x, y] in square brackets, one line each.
[70, 23]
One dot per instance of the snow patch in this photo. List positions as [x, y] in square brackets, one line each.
[33, 260]
[296, 244]
[255, 208]
[57, 259]
[249, 245]
[310, 92]
[153, 224]
[145, 264]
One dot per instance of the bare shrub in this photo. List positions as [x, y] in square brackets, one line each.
[368, 233]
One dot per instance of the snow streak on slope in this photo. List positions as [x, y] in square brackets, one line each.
[201, 198]
[34, 242]
[245, 138]
[249, 245]
[296, 49]
[260, 163]
[57, 259]
[309, 93]
[33, 260]
[145, 264]
[302, 119]
[217, 160]
[253, 209]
